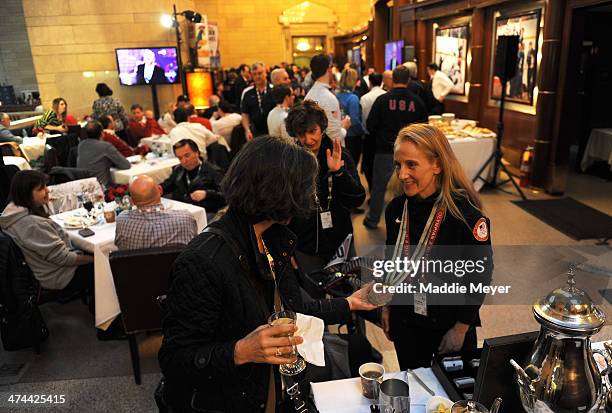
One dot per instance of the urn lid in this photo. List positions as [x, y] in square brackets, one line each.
[570, 310]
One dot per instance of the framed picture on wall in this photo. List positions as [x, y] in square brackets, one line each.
[526, 25]
[450, 54]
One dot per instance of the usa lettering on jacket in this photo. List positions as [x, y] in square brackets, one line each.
[401, 105]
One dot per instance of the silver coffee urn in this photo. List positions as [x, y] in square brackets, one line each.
[560, 375]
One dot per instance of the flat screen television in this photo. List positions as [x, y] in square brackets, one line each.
[147, 66]
[393, 54]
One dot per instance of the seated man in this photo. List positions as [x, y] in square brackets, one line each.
[196, 132]
[224, 121]
[194, 118]
[98, 156]
[195, 180]
[5, 134]
[213, 102]
[141, 126]
[109, 135]
[151, 225]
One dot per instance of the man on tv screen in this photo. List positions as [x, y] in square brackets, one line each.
[149, 72]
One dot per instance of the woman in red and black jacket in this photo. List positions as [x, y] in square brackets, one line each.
[440, 203]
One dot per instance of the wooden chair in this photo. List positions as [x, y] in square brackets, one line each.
[141, 276]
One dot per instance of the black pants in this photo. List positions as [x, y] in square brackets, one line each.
[83, 279]
[354, 144]
[415, 347]
[367, 164]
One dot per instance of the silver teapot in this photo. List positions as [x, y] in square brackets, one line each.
[560, 374]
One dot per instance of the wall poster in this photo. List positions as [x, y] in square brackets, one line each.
[450, 54]
[526, 25]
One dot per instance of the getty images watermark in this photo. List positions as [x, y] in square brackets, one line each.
[435, 276]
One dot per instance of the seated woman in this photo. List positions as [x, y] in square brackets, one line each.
[440, 203]
[338, 188]
[45, 245]
[54, 119]
[218, 353]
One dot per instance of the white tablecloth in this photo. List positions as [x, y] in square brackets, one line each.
[159, 169]
[472, 153]
[599, 147]
[18, 161]
[161, 141]
[344, 396]
[33, 148]
[103, 242]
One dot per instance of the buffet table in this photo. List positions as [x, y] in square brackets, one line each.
[472, 154]
[344, 396]
[103, 242]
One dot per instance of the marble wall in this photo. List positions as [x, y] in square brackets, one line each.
[73, 41]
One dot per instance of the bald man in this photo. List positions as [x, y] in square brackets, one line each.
[388, 80]
[278, 77]
[151, 225]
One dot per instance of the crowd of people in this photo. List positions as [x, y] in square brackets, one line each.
[274, 161]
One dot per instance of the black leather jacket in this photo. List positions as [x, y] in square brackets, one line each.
[215, 299]
[209, 179]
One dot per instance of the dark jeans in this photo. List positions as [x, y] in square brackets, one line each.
[415, 347]
[383, 168]
[367, 163]
[354, 144]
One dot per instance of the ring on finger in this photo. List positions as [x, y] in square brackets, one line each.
[278, 352]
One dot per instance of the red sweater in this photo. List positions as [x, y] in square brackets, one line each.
[202, 121]
[118, 143]
[137, 130]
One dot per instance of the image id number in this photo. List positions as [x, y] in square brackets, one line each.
[37, 398]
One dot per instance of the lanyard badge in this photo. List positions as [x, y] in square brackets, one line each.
[326, 218]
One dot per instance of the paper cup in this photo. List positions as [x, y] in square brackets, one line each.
[371, 375]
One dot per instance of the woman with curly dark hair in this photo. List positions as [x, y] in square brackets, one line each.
[338, 187]
[218, 353]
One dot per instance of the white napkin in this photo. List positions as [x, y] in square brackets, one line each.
[311, 330]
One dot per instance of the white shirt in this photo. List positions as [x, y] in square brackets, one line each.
[321, 94]
[441, 85]
[197, 133]
[225, 125]
[148, 72]
[276, 123]
[367, 101]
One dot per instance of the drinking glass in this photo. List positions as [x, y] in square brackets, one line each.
[288, 317]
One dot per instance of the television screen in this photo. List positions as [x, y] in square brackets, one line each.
[147, 66]
[393, 54]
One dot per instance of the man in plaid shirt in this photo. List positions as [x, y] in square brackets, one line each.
[151, 225]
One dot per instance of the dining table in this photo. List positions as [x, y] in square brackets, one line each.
[158, 168]
[101, 244]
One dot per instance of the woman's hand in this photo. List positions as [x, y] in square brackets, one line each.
[454, 338]
[358, 300]
[267, 344]
[384, 319]
[198, 195]
[334, 159]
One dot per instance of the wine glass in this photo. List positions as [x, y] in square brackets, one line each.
[288, 317]
[87, 204]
